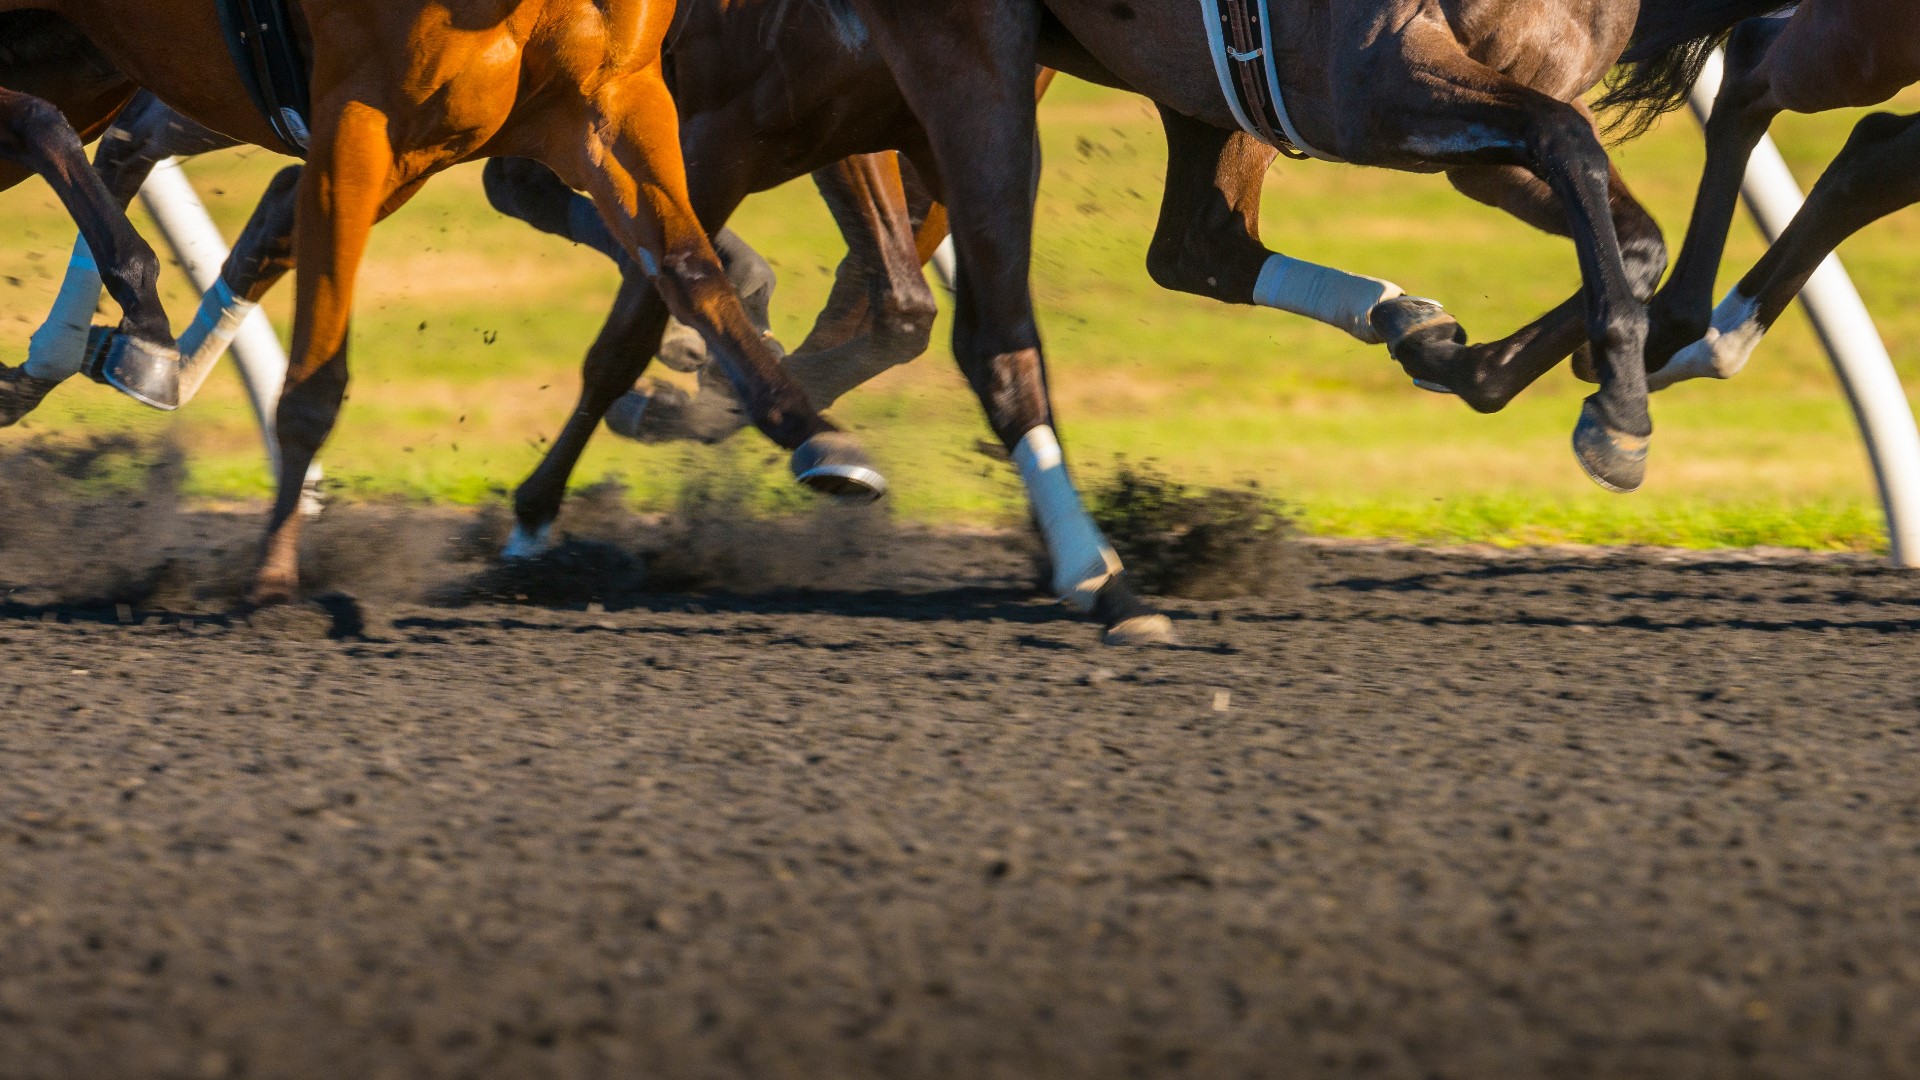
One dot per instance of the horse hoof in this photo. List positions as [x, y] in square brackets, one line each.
[528, 543]
[1406, 322]
[1144, 630]
[832, 463]
[682, 348]
[1615, 460]
[21, 393]
[271, 590]
[1128, 619]
[146, 371]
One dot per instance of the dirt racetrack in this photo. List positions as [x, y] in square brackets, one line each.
[1420, 815]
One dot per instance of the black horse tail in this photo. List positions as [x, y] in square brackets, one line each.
[846, 23]
[1670, 45]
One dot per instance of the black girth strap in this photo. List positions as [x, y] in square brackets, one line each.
[266, 49]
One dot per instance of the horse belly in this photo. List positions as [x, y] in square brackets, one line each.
[1157, 48]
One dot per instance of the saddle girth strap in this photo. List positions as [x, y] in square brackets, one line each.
[266, 49]
[1240, 35]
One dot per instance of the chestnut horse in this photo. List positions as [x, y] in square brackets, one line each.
[1827, 54]
[406, 88]
[879, 313]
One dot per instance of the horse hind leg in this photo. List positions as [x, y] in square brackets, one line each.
[1458, 112]
[1487, 376]
[1207, 241]
[142, 358]
[1876, 174]
[881, 312]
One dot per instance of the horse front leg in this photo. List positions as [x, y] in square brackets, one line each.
[350, 181]
[629, 161]
[1876, 174]
[1207, 241]
[1743, 110]
[970, 81]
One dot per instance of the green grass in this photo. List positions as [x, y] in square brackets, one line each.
[1210, 393]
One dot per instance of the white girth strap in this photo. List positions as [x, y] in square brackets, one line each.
[1223, 60]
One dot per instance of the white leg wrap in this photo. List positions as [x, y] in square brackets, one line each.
[1729, 342]
[1083, 561]
[204, 342]
[1323, 294]
[60, 345]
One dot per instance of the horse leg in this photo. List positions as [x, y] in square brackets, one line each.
[619, 355]
[971, 83]
[529, 191]
[35, 135]
[1742, 112]
[261, 256]
[350, 181]
[1877, 173]
[1457, 112]
[1432, 348]
[145, 133]
[881, 312]
[636, 176]
[1207, 241]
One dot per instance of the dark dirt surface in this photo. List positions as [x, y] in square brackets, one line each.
[1412, 815]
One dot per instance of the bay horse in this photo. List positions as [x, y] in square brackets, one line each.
[1826, 54]
[403, 89]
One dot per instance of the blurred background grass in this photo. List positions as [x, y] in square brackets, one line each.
[470, 328]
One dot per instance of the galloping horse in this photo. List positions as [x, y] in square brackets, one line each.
[1827, 54]
[880, 305]
[1486, 90]
[402, 89]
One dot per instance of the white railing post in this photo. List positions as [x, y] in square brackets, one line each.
[196, 241]
[1846, 330]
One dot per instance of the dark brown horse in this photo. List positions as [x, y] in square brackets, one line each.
[1828, 54]
[402, 89]
[1486, 90]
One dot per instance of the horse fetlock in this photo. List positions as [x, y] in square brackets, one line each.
[1083, 561]
[1722, 351]
[528, 541]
